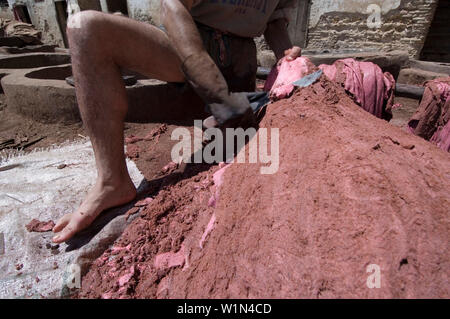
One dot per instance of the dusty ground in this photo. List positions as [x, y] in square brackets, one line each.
[403, 114]
[45, 185]
[24, 130]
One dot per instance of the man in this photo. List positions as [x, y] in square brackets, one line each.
[206, 43]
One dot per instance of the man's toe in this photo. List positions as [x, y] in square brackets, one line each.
[62, 222]
[68, 232]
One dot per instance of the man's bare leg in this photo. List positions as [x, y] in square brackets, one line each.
[100, 47]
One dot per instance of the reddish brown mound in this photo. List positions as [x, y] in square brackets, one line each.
[131, 267]
[351, 191]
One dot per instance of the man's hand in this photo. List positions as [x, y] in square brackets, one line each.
[293, 53]
[234, 111]
[228, 109]
[277, 38]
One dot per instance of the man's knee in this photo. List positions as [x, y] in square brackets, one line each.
[85, 23]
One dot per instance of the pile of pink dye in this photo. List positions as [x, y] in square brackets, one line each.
[365, 82]
[281, 78]
[369, 87]
[432, 119]
[351, 192]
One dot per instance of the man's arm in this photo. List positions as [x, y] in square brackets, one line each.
[277, 38]
[200, 70]
[198, 66]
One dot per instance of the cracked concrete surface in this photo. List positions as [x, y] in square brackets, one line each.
[32, 186]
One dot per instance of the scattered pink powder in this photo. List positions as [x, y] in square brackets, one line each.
[218, 179]
[116, 249]
[144, 202]
[212, 201]
[208, 230]
[169, 167]
[132, 139]
[170, 259]
[126, 278]
[131, 212]
[163, 285]
[280, 80]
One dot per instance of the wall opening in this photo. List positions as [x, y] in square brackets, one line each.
[90, 5]
[437, 43]
[118, 6]
[62, 16]
[21, 13]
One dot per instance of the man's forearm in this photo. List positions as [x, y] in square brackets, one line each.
[197, 65]
[181, 29]
[277, 37]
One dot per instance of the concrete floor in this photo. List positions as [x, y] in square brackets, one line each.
[32, 187]
[402, 114]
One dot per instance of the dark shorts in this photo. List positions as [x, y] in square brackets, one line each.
[235, 56]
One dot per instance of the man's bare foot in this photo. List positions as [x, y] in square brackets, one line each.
[101, 197]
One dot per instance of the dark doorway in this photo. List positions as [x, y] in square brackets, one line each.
[437, 43]
[90, 5]
[21, 13]
[62, 16]
[118, 6]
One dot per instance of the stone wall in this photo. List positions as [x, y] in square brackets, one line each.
[370, 24]
[5, 13]
[145, 10]
[43, 16]
[333, 24]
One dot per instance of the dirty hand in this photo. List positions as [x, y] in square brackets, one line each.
[235, 111]
[228, 109]
[293, 53]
